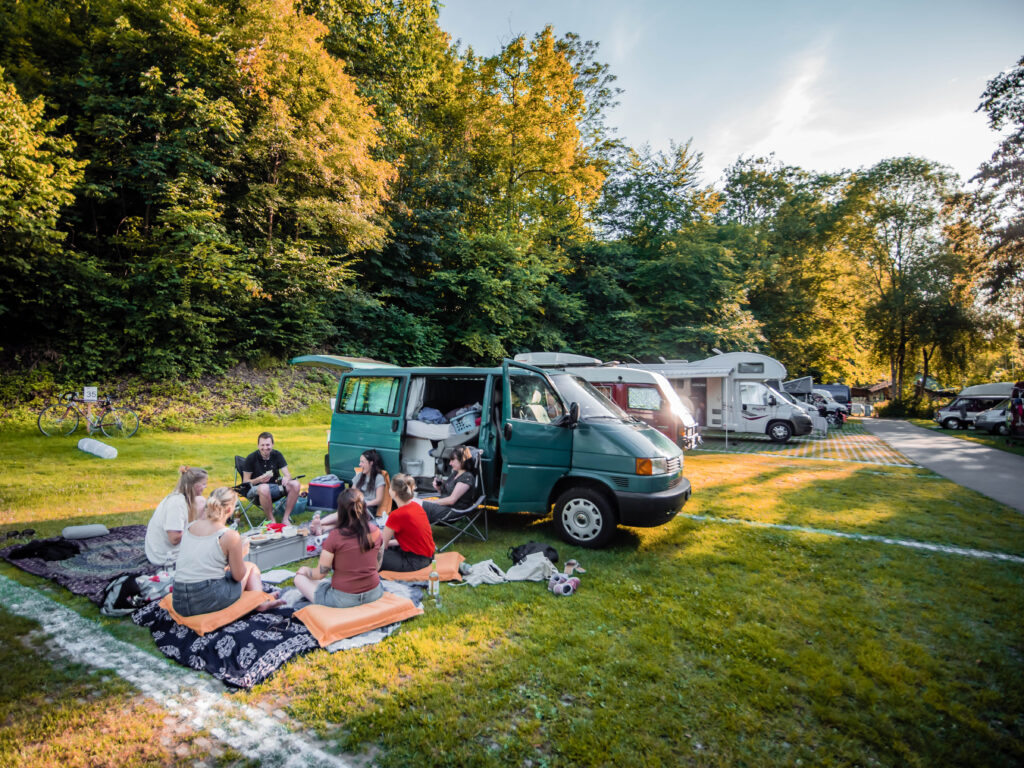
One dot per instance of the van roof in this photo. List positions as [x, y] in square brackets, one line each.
[1003, 389]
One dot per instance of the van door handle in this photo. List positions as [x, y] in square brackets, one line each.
[394, 425]
[508, 430]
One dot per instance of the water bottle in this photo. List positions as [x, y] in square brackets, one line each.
[96, 448]
[434, 584]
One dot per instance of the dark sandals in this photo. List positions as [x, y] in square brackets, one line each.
[25, 534]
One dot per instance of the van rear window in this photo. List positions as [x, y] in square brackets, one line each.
[644, 399]
[370, 394]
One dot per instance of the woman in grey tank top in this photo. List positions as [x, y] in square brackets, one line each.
[211, 571]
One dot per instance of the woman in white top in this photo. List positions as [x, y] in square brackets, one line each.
[182, 506]
[212, 571]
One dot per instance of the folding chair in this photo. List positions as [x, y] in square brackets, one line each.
[465, 522]
[243, 506]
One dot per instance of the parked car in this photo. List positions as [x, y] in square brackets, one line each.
[993, 420]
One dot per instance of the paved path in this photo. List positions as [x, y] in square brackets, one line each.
[851, 443]
[994, 473]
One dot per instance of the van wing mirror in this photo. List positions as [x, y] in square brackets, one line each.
[574, 414]
[772, 401]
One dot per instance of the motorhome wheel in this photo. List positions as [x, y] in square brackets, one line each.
[779, 431]
[951, 423]
[584, 517]
[1001, 429]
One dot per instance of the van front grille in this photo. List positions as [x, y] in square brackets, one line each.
[673, 465]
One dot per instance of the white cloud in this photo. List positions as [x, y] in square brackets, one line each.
[802, 124]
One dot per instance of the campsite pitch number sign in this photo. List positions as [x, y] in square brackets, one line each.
[89, 394]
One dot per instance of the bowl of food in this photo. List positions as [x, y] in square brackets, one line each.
[259, 538]
[274, 535]
[289, 530]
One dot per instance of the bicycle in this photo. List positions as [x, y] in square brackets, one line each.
[63, 418]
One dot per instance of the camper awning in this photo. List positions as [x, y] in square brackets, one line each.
[694, 373]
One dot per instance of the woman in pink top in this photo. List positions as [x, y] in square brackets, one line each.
[352, 551]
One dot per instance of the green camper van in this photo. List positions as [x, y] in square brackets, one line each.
[547, 440]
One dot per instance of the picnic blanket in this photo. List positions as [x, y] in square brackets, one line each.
[100, 560]
[248, 651]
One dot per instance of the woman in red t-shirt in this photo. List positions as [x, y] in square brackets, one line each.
[352, 551]
[408, 525]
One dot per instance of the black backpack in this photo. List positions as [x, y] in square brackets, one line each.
[518, 554]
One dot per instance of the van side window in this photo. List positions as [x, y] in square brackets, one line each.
[533, 400]
[750, 368]
[370, 394]
[643, 399]
[751, 394]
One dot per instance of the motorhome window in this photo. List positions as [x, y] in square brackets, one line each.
[593, 405]
[643, 399]
[533, 400]
[370, 394]
[750, 368]
[605, 389]
[752, 394]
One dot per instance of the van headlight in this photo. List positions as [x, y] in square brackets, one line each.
[658, 466]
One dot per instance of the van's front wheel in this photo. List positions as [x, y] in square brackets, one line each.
[779, 431]
[584, 517]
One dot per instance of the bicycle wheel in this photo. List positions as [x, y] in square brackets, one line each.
[58, 420]
[119, 422]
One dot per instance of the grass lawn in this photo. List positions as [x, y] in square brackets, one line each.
[984, 438]
[695, 643]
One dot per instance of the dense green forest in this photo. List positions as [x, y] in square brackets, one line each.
[190, 184]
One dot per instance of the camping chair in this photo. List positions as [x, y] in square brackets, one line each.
[243, 506]
[465, 522]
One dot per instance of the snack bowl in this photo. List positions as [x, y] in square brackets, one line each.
[274, 535]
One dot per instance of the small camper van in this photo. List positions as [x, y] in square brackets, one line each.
[727, 393]
[548, 441]
[644, 395]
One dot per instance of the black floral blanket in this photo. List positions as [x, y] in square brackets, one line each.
[100, 560]
[242, 654]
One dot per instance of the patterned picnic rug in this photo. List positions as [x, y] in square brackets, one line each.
[242, 654]
[248, 651]
[100, 560]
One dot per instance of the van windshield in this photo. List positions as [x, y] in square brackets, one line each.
[593, 405]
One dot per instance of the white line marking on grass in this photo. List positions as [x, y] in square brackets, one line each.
[179, 690]
[945, 549]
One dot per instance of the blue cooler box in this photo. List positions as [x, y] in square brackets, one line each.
[324, 495]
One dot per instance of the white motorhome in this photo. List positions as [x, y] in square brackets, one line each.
[727, 392]
[964, 410]
[645, 395]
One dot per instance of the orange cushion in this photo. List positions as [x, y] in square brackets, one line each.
[328, 625]
[202, 623]
[447, 569]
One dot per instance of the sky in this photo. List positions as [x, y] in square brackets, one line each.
[821, 84]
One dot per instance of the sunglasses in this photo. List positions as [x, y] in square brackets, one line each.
[20, 534]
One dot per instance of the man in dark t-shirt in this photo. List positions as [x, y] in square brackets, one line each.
[267, 471]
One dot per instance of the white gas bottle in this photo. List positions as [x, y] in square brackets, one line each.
[96, 448]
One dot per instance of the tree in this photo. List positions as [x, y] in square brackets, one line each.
[41, 280]
[899, 209]
[1002, 179]
[802, 282]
